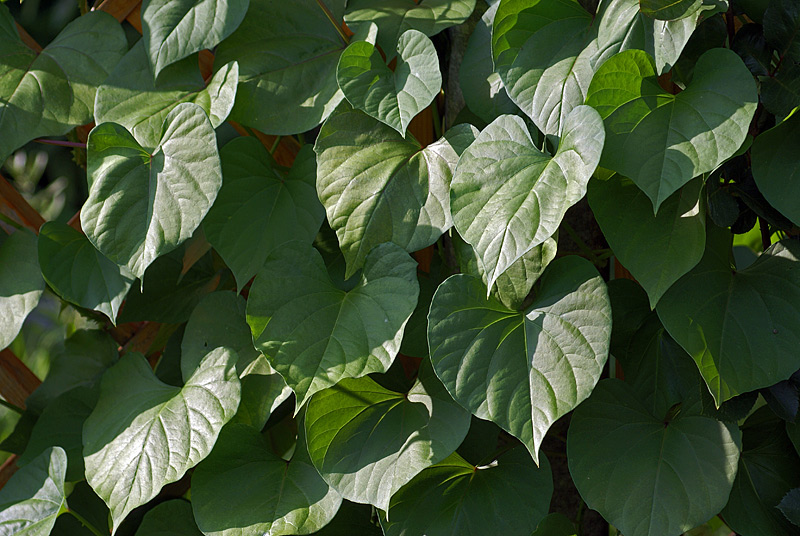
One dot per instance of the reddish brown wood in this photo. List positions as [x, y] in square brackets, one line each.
[27, 214]
[135, 17]
[143, 339]
[424, 257]
[28, 40]
[120, 9]
[17, 381]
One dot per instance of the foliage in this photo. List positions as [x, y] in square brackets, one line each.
[363, 315]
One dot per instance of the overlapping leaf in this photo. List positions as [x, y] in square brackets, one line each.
[142, 204]
[657, 249]
[522, 370]
[378, 187]
[174, 29]
[34, 497]
[392, 97]
[275, 497]
[260, 207]
[144, 434]
[546, 52]
[741, 327]
[170, 518]
[49, 93]
[287, 54]
[394, 17]
[509, 496]
[661, 141]
[79, 273]
[132, 97]
[368, 441]
[263, 390]
[776, 169]
[508, 197]
[21, 283]
[316, 334]
[677, 471]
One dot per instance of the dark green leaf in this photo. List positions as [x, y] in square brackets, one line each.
[171, 518]
[781, 93]
[750, 44]
[21, 283]
[263, 390]
[84, 500]
[522, 370]
[776, 169]
[315, 334]
[352, 519]
[661, 141]
[667, 476]
[555, 525]
[790, 506]
[782, 28]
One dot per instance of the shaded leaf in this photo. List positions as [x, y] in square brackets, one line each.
[21, 283]
[263, 390]
[670, 9]
[776, 169]
[170, 518]
[781, 93]
[782, 28]
[790, 506]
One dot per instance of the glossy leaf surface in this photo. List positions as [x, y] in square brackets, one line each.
[138, 419]
[482, 350]
[315, 334]
[508, 197]
[141, 204]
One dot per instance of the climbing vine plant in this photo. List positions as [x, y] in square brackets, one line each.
[359, 314]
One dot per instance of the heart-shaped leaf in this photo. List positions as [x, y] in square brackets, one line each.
[508, 496]
[279, 497]
[768, 469]
[669, 475]
[79, 273]
[170, 518]
[132, 97]
[378, 187]
[287, 54]
[392, 97]
[546, 52]
[138, 419]
[218, 320]
[775, 170]
[741, 327]
[86, 355]
[174, 29]
[315, 334]
[508, 197]
[661, 141]
[49, 93]
[260, 207]
[481, 350]
[367, 441]
[394, 17]
[657, 249]
[21, 283]
[141, 204]
[34, 497]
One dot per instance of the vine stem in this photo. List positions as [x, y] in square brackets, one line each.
[11, 406]
[338, 27]
[61, 143]
[85, 523]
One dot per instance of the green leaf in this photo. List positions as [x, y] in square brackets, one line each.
[782, 28]
[263, 390]
[392, 97]
[657, 249]
[644, 474]
[768, 469]
[144, 434]
[21, 283]
[83, 499]
[741, 327]
[670, 9]
[508, 197]
[175, 29]
[274, 496]
[559, 345]
[259, 207]
[661, 141]
[132, 97]
[790, 506]
[315, 334]
[377, 186]
[34, 497]
[780, 93]
[79, 273]
[508, 496]
[546, 52]
[218, 320]
[49, 93]
[61, 424]
[484, 93]
[367, 441]
[86, 355]
[287, 54]
[555, 524]
[776, 169]
[141, 204]
[394, 17]
[171, 518]
[352, 519]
